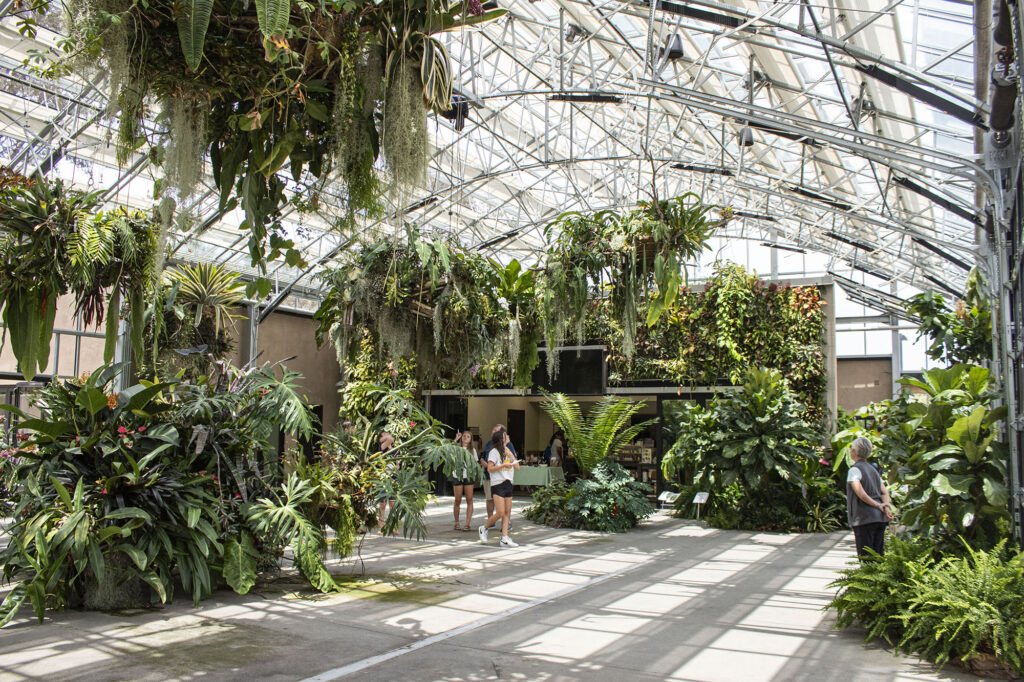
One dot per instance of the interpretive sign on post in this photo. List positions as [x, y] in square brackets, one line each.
[699, 499]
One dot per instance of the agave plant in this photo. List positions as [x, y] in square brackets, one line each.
[602, 433]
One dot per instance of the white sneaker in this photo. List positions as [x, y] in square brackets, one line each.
[482, 531]
[507, 542]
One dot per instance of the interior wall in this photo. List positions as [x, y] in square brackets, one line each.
[863, 380]
[283, 335]
[62, 359]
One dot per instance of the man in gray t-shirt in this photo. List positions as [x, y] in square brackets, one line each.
[868, 507]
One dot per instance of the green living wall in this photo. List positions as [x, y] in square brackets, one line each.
[713, 334]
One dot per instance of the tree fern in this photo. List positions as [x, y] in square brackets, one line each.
[602, 433]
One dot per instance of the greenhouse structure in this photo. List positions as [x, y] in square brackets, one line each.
[511, 339]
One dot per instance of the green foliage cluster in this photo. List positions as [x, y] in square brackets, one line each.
[967, 607]
[187, 321]
[53, 242]
[602, 433]
[712, 336]
[609, 500]
[754, 452]
[963, 334]
[364, 475]
[159, 481]
[269, 86]
[639, 254]
[945, 450]
[448, 307]
[486, 320]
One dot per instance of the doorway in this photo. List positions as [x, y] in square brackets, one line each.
[516, 423]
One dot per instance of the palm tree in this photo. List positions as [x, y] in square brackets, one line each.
[602, 433]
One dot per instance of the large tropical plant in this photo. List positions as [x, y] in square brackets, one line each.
[602, 433]
[210, 289]
[160, 483]
[963, 334]
[946, 450]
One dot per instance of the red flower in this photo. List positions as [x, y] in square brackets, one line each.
[122, 430]
[412, 424]
[142, 429]
[103, 492]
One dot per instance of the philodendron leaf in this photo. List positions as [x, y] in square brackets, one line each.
[273, 16]
[192, 25]
[240, 563]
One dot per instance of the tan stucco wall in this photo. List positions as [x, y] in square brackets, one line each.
[90, 354]
[280, 336]
[283, 335]
[863, 380]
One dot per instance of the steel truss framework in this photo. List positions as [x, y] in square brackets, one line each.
[863, 119]
[837, 165]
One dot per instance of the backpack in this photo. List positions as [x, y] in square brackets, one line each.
[547, 454]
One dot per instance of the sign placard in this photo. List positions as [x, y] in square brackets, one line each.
[700, 498]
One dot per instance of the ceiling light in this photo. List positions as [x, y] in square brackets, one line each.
[783, 247]
[745, 138]
[575, 33]
[755, 216]
[852, 242]
[817, 196]
[586, 97]
[673, 49]
[698, 168]
[927, 96]
[936, 199]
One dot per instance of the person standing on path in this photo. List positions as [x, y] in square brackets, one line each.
[501, 465]
[461, 483]
[868, 507]
[488, 446]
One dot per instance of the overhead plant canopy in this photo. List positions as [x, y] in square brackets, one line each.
[457, 310]
[842, 128]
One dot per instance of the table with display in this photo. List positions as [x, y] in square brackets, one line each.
[527, 475]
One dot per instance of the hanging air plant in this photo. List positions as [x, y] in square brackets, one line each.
[272, 86]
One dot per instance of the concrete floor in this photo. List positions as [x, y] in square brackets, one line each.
[671, 600]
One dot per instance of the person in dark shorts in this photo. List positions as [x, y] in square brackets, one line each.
[461, 482]
[868, 507]
[501, 465]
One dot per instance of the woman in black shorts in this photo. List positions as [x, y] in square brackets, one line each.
[502, 465]
[461, 483]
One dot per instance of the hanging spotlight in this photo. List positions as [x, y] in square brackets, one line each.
[745, 138]
[673, 49]
[459, 111]
[575, 33]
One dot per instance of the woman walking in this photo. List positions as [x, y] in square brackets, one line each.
[501, 465]
[461, 483]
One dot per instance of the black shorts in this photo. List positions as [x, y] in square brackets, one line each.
[455, 482]
[503, 489]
